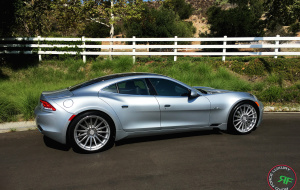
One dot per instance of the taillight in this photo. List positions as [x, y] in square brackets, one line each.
[47, 105]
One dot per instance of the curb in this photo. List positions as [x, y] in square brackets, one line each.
[17, 126]
[281, 109]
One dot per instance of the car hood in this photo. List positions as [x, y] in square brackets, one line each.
[209, 90]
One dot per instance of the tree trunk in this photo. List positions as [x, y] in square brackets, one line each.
[112, 29]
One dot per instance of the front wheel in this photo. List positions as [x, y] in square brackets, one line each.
[243, 118]
[91, 132]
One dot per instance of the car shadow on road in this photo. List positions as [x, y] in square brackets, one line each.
[58, 146]
[168, 136]
[55, 145]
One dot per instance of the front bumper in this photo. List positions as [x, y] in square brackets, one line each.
[261, 112]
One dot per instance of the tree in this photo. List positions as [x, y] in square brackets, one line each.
[110, 12]
[181, 7]
[8, 16]
[67, 17]
[160, 22]
[95, 30]
[282, 13]
[34, 17]
[243, 19]
[48, 17]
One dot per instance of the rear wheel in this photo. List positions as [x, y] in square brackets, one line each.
[92, 132]
[243, 118]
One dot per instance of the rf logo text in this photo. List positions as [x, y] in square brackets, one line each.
[285, 180]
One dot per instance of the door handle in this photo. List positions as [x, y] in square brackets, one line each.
[125, 106]
[167, 106]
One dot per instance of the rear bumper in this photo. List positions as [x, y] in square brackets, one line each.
[53, 124]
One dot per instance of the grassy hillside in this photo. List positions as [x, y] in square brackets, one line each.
[271, 80]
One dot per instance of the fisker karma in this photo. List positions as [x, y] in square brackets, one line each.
[93, 115]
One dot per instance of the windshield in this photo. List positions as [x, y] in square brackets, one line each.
[201, 90]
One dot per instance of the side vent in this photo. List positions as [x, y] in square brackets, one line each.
[215, 124]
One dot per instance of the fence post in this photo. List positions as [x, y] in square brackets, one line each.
[276, 49]
[148, 49]
[83, 43]
[224, 49]
[175, 50]
[40, 56]
[133, 49]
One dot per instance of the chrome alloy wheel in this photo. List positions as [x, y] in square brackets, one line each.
[244, 118]
[92, 133]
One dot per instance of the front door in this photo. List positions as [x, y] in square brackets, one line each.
[177, 109]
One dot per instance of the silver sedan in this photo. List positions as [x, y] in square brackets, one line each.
[93, 115]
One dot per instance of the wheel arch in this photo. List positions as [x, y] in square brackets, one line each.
[243, 101]
[86, 111]
[238, 103]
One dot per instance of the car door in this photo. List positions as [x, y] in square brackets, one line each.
[178, 110]
[132, 102]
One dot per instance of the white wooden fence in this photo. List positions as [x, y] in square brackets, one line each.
[11, 45]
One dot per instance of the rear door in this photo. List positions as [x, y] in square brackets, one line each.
[132, 102]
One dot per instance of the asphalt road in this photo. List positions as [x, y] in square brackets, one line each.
[203, 160]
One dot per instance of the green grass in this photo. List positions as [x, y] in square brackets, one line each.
[13, 130]
[269, 79]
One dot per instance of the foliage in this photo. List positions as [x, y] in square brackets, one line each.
[50, 17]
[64, 17]
[160, 22]
[110, 12]
[95, 30]
[181, 7]
[8, 16]
[200, 71]
[241, 20]
[282, 13]
[34, 17]
[69, 16]
[8, 110]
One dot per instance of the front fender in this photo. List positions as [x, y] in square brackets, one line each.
[222, 104]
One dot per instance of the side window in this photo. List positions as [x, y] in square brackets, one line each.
[165, 87]
[135, 87]
[111, 88]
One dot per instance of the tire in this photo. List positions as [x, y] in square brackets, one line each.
[243, 118]
[92, 132]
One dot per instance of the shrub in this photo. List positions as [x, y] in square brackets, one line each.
[29, 102]
[253, 67]
[271, 94]
[8, 109]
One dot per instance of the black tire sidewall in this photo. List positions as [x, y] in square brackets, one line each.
[231, 127]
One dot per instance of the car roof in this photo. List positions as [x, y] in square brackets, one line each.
[109, 77]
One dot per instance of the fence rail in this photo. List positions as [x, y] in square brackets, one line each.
[85, 48]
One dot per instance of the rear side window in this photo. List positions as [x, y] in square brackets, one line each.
[112, 88]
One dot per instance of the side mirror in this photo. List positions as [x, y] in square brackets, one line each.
[193, 94]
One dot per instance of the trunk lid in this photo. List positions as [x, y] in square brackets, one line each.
[64, 93]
